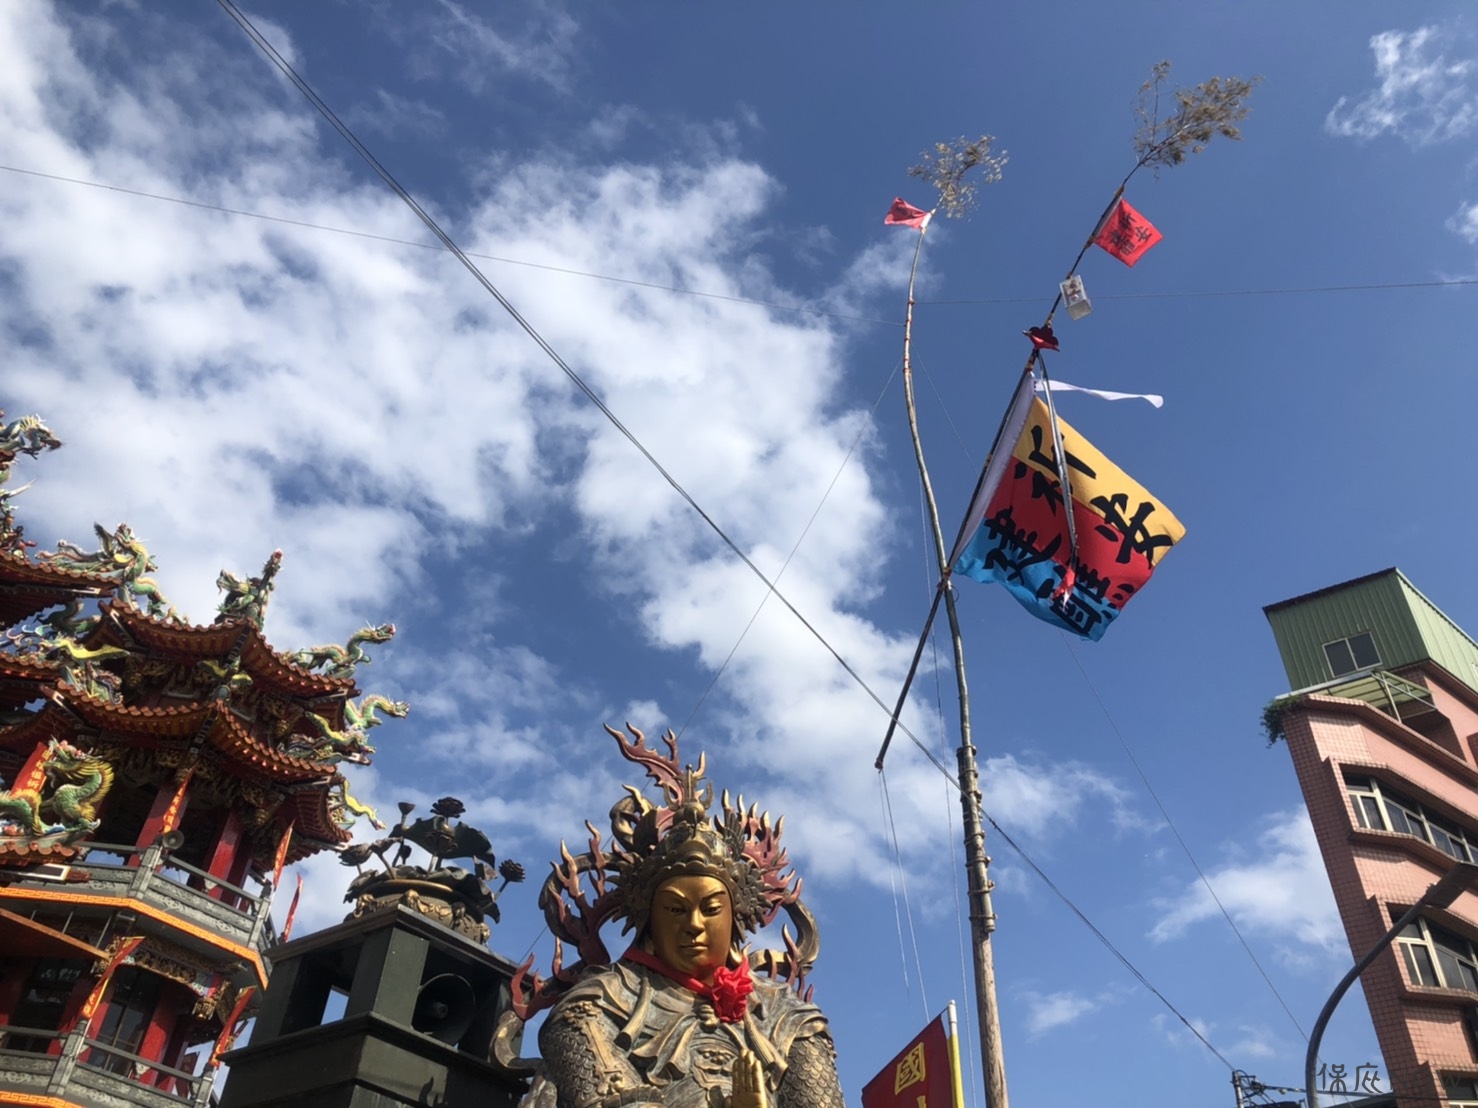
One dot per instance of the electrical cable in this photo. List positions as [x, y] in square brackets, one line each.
[1104, 939]
[1170, 823]
[871, 415]
[1296, 290]
[1290, 291]
[903, 883]
[437, 246]
[579, 382]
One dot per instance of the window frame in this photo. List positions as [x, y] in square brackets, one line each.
[1418, 938]
[1365, 788]
[1348, 642]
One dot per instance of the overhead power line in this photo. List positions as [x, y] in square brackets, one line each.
[800, 309]
[579, 382]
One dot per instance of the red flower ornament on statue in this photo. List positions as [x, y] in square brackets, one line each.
[730, 992]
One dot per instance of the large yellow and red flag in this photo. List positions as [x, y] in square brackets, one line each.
[1078, 576]
[925, 1074]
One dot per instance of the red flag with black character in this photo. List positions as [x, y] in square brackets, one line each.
[1126, 234]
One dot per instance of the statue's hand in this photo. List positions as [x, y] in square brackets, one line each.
[749, 1083]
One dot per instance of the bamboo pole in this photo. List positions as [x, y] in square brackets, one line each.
[982, 915]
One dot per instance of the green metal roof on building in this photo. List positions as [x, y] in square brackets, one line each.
[1405, 626]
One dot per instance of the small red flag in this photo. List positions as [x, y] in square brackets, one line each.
[281, 859]
[230, 1025]
[292, 911]
[1126, 234]
[904, 214]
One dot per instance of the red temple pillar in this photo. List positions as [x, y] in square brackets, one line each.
[160, 1030]
[13, 985]
[223, 861]
[164, 814]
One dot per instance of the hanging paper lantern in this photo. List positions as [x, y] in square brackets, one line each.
[1075, 298]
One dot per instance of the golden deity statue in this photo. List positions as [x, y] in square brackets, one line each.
[687, 1017]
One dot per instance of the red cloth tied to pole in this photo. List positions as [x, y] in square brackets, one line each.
[904, 214]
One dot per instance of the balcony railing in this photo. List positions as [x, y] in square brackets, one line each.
[234, 913]
[89, 1072]
[1396, 696]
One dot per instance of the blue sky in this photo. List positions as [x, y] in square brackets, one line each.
[229, 385]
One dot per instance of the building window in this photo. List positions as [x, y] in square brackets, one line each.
[129, 1013]
[1462, 1092]
[43, 1002]
[1354, 653]
[1379, 809]
[1438, 957]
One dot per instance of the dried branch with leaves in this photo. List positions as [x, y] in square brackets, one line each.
[946, 165]
[1213, 107]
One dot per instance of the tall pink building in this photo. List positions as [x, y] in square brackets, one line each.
[1383, 728]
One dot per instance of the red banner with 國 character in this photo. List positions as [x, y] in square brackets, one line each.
[921, 1076]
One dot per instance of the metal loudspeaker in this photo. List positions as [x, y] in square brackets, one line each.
[171, 840]
[445, 1008]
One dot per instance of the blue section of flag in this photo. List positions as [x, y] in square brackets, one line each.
[1003, 554]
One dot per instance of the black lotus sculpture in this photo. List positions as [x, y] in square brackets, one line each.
[457, 897]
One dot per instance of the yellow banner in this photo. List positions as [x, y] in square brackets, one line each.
[1098, 483]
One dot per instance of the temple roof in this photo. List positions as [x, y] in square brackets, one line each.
[28, 588]
[23, 679]
[128, 627]
[312, 822]
[41, 727]
[209, 721]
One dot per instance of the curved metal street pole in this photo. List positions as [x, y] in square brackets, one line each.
[1438, 895]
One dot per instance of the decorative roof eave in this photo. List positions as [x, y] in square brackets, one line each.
[174, 722]
[17, 693]
[313, 827]
[220, 726]
[29, 852]
[19, 603]
[124, 625]
[28, 667]
[232, 739]
[17, 569]
[267, 667]
[128, 627]
[47, 724]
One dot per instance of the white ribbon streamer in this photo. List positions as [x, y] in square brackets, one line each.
[1102, 394]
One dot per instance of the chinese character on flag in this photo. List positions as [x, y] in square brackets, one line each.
[1018, 534]
[1126, 234]
[922, 1076]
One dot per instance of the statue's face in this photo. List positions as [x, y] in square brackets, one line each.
[691, 925]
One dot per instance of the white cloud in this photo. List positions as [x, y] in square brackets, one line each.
[1175, 1032]
[392, 115]
[1257, 1041]
[366, 408]
[1464, 222]
[1046, 1011]
[534, 41]
[1421, 94]
[1042, 801]
[1283, 893]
